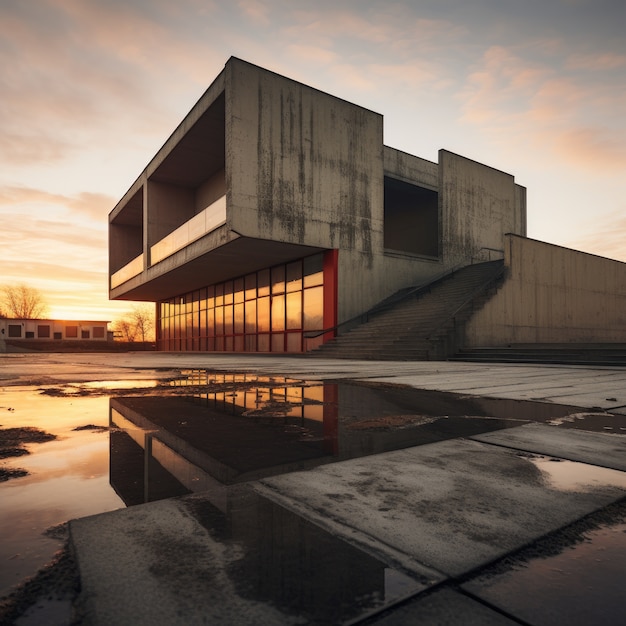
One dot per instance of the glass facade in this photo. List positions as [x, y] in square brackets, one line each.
[276, 309]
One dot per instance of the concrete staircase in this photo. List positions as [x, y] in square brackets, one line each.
[419, 324]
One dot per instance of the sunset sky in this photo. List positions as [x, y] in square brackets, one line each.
[90, 90]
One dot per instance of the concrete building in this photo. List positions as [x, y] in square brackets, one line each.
[53, 330]
[274, 214]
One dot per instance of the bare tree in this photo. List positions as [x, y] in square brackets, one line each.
[142, 316]
[138, 325]
[23, 302]
[124, 329]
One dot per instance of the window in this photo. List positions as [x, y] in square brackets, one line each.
[98, 332]
[43, 331]
[84, 334]
[265, 311]
[411, 219]
[15, 330]
[71, 332]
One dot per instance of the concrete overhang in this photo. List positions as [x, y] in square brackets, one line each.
[187, 269]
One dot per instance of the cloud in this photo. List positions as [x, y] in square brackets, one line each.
[366, 33]
[596, 147]
[596, 62]
[73, 69]
[47, 271]
[93, 206]
[255, 10]
[537, 107]
[312, 53]
[605, 236]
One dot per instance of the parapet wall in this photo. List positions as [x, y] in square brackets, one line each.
[552, 295]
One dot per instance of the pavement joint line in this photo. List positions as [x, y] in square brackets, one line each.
[492, 607]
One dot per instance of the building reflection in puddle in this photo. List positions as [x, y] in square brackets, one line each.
[228, 428]
[274, 556]
[249, 428]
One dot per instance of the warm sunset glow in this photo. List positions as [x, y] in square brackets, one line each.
[91, 90]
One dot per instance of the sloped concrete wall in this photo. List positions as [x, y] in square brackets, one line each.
[552, 295]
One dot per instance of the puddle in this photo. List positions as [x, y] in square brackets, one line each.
[67, 477]
[600, 422]
[116, 384]
[120, 443]
[575, 577]
[275, 557]
[576, 477]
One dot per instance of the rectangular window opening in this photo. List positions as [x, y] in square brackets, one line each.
[411, 219]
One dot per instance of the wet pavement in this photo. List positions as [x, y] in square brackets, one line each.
[287, 490]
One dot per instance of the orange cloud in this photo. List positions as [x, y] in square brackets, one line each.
[596, 62]
[95, 206]
[255, 10]
[308, 53]
[525, 103]
[597, 147]
[606, 236]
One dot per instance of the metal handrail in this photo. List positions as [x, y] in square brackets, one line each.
[465, 302]
[385, 305]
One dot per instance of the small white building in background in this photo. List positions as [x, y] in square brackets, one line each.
[53, 330]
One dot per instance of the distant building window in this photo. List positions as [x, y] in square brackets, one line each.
[411, 218]
[71, 332]
[43, 332]
[98, 332]
[84, 334]
[30, 334]
[58, 335]
[15, 330]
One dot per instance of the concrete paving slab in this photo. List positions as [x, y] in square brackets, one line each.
[157, 564]
[454, 505]
[559, 387]
[145, 565]
[200, 560]
[603, 450]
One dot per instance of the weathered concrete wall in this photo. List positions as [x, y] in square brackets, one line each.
[302, 166]
[553, 295]
[411, 169]
[478, 206]
[305, 167]
[169, 206]
[210, 191]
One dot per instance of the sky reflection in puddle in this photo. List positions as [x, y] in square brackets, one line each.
[576, 477]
